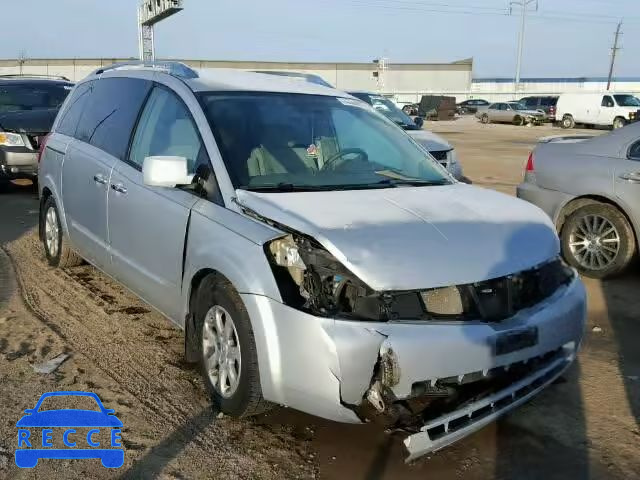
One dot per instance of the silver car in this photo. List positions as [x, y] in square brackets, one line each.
[510, 112]
[590, 187]
[315, 255]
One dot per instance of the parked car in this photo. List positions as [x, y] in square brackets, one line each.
[410, 109]
[307, 77]
[610, 110]
[315, 256]
[471, 106]
[510, 112]
[545, 103]
[437, 146]
[590, 187]
[28, 107]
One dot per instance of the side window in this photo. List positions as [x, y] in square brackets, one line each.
[634, 151]
[607, 101]
[531, 102]
[110, 117]
[73, 111]
[166, 129]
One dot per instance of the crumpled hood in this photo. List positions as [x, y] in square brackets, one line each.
[417, 237]
[430, 140]
[28, 121]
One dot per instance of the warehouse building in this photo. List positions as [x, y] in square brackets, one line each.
[398, 77]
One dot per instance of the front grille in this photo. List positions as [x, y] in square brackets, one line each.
[497, 299]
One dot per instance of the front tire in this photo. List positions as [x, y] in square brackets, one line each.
[619, 122]
[518, 121]
[484, 119]
[56, 246]
[227, 349]
[598, 240]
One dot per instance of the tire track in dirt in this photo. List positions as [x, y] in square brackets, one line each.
[142, 353]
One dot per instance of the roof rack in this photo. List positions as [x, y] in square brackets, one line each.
[177, 69]
[35, 75]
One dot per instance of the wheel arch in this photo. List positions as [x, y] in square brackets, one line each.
[579, 202]
[44, 196]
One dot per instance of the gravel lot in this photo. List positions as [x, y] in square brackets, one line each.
[584, 426]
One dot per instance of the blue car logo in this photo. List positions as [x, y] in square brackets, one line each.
[36, 433]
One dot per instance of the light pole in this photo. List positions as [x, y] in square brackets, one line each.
[151, 12]
[524, 5]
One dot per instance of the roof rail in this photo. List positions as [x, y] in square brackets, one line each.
[177, 69]
[35, 75]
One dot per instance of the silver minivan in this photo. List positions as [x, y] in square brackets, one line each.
[314, 254]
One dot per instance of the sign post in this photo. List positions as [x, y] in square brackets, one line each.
[151, 12]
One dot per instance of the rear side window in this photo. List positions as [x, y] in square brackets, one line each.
[109, 118]
[549, 101]
[72, 113]
[531, 102]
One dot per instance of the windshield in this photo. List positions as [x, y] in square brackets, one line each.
[393, 113]
[285, 142]
[627, 101]
[32, 96]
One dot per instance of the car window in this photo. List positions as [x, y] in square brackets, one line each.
[494, 106]
[66, 402]
[109, 118]
[607, 101]
[549, 101]
[33, 95]
[166, 128]
[73, 110]
[634, 151]
[531, 102]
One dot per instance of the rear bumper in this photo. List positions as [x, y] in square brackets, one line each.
[550, 201]
[18, 162]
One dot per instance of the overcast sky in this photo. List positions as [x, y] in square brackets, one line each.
[564, 38]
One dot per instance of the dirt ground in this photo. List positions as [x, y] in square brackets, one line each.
[584, 426]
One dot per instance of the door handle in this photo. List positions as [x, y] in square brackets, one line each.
[118, 187]
[99, 178]
[631, 177]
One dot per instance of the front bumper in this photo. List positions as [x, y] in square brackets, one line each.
[18, 162]
[326, 367]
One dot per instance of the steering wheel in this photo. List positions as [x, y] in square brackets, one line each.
[343, 153]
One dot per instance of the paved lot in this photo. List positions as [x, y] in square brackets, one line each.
[584, 426]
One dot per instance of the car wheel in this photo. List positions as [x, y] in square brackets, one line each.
[619, 122]
[568, 122]
[56, 246]
[227, 349]
[484, 118]
[518, 120]
[598, 240]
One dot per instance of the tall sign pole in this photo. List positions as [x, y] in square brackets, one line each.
[151, 12]
[614, 52]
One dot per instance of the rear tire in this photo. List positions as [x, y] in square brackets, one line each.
[217, 300]
[568, 122]
[598, 240]
[56, 245]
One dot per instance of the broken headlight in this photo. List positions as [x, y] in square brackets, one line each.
[313, 280]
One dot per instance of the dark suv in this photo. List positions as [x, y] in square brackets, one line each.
[547, 103]
[28, 107]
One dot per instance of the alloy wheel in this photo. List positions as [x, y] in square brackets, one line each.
[51, 231]
[221, 350]
[594, 242]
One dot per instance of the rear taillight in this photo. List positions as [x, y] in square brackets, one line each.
[530, 167]
[552, 110]
[43, 144]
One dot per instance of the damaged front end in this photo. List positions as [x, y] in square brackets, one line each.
[447, 360]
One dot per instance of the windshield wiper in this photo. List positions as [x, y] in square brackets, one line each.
[282, 187]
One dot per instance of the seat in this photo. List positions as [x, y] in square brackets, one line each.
[279, 153]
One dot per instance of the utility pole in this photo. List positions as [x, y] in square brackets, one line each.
[524, 6]
[614, 51]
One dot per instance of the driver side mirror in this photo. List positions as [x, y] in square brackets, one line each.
[419, 121]
[167, 171]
